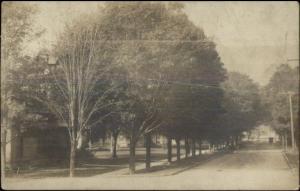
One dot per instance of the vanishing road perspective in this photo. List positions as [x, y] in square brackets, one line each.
[149, 95]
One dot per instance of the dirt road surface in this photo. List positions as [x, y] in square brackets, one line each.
[245, 169]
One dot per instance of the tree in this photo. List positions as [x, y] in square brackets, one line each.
[79, 85]
[150, 47]
[156, 50]
[73, 87]
[114, 125]
[194, 98]
[242, 104]
[140, 59]
[162, 61]
[284, 80]
[16, 28]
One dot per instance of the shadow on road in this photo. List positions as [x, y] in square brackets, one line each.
[184, 164]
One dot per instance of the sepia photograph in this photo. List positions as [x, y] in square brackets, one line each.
[146, 95]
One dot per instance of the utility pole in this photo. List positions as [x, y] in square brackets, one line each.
[290, 94]
[292, 120]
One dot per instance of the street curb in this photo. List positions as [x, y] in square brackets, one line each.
[288, 163]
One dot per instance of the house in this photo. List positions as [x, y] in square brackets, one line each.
[263, 133]
[36, 143]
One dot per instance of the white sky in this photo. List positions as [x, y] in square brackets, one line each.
[250, 36]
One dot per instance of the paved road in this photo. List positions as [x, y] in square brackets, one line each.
[251, 169]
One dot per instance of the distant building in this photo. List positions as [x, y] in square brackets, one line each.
[36, 143]
[262, 133]
[123, 142]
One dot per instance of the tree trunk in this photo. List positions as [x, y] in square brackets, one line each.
[3, 154]
[148, 151]
[193, 148]
[169, 150]
[282, 141]
[232, 143]
[285, 140]
[178, 149]
[90, 145]
[4, 127]
[237, 142]
[80, 144]
[227, 144]
[200, 147]
[90, 139]
[72, 158]
[132, 157]
[114, 151]
[187, 147]
[210, 147]
[111, 144]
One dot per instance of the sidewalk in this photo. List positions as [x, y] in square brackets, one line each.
[164, 168]
[292, 159]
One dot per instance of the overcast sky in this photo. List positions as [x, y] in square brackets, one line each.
[250, 36]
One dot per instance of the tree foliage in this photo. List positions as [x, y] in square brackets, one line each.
[16, 27]
[275, 94]
[139, 68]
[242, 104]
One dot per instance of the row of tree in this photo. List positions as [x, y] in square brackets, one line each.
[140, 68]
[281, 98]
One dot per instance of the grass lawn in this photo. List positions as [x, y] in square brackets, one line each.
[100, 163]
